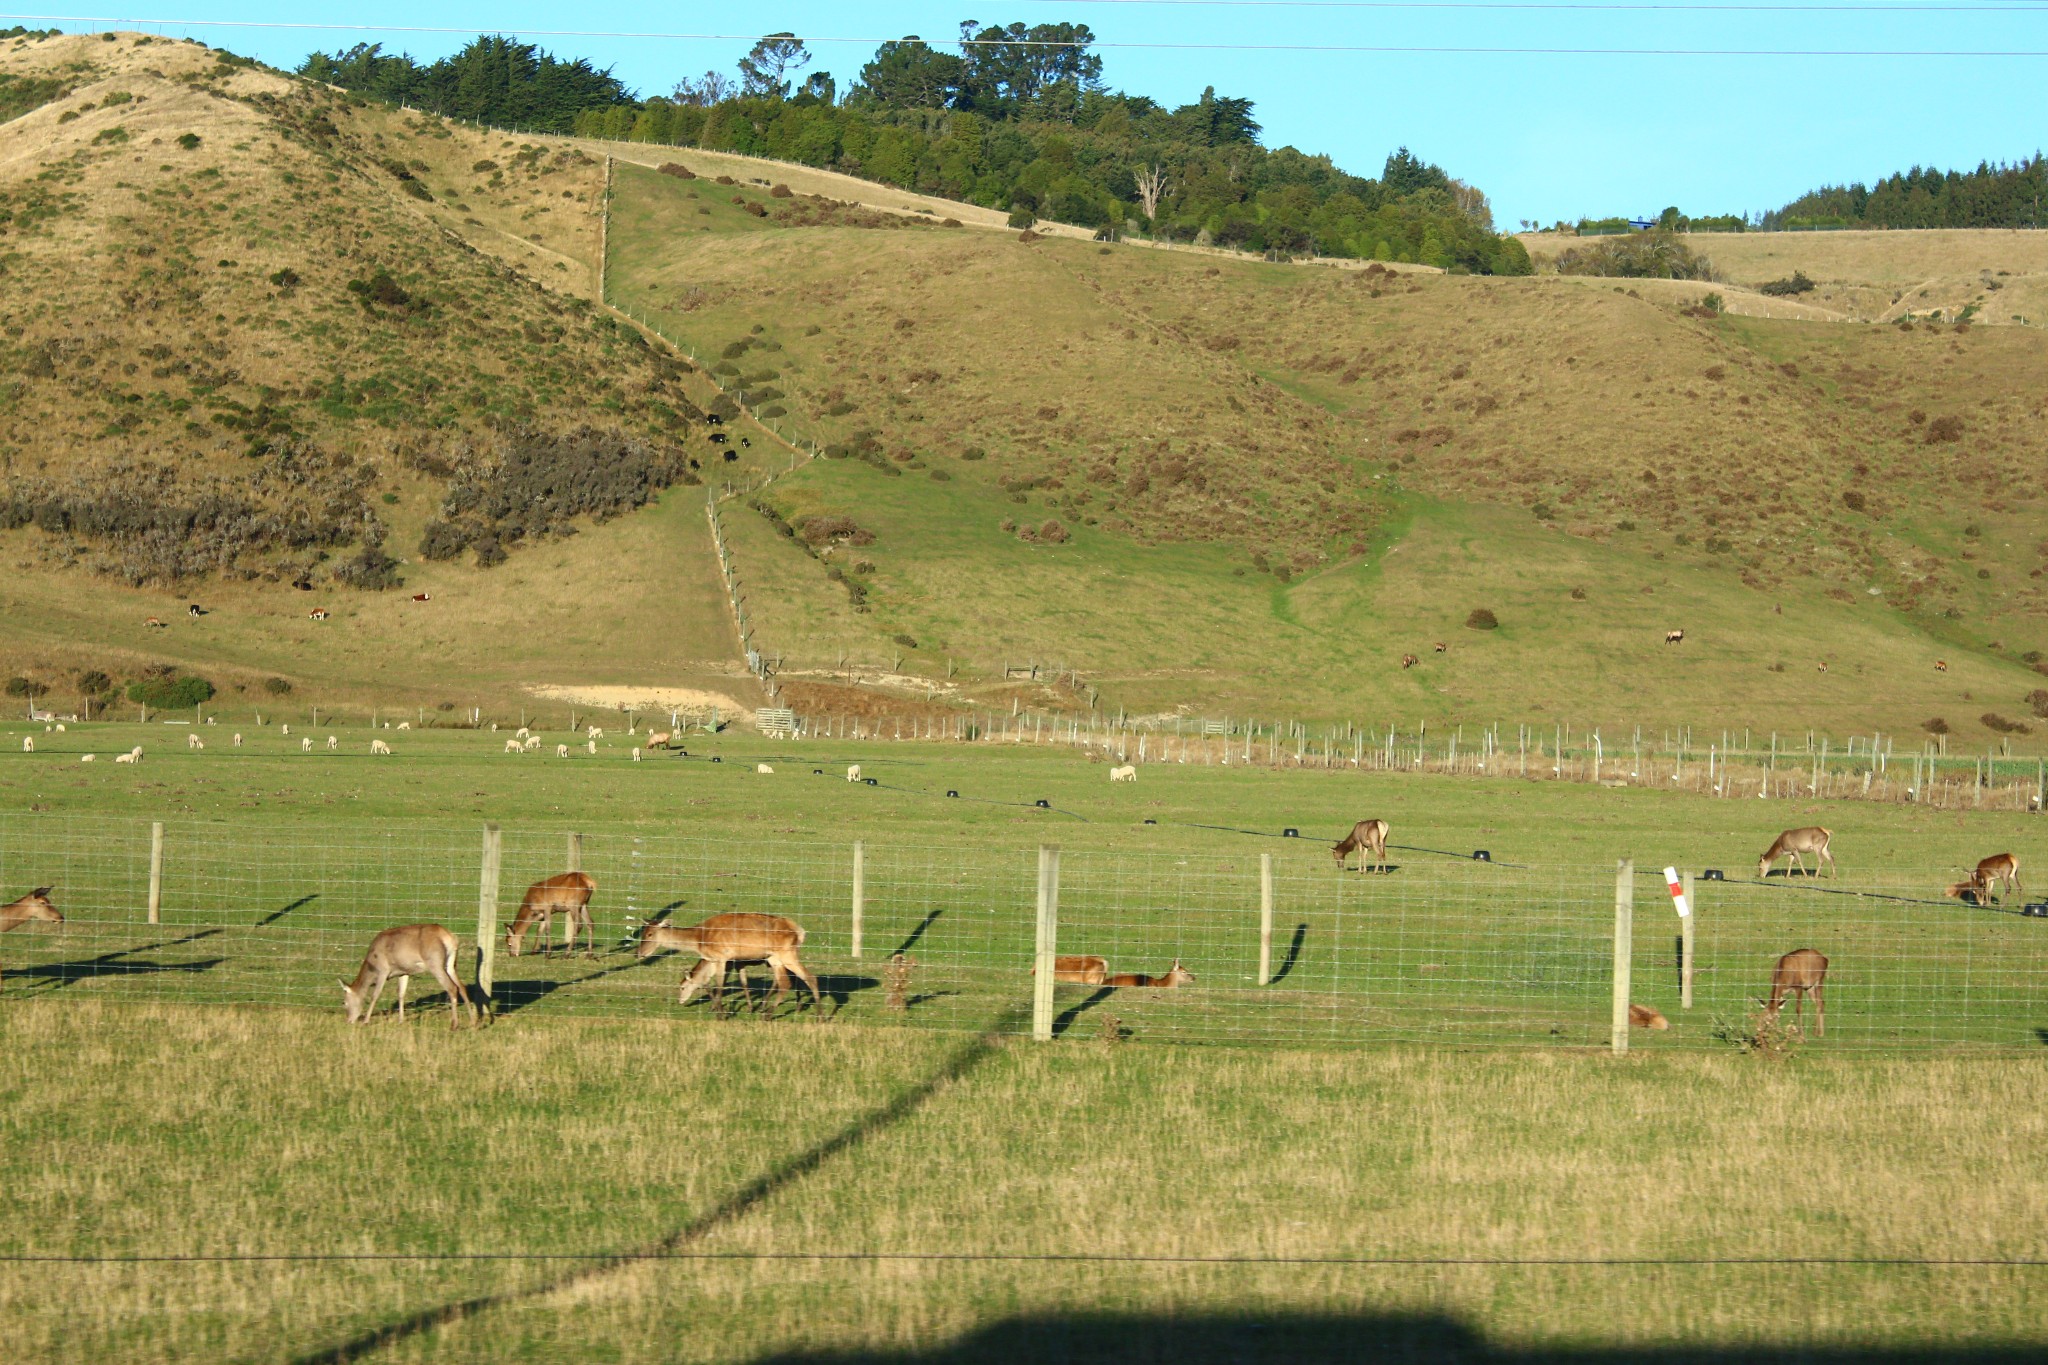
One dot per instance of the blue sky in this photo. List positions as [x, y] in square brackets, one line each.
[1547, 136]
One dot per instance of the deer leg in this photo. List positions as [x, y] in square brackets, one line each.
[376, 991]
[401, 997]
[1820, 1013]
[801, 975]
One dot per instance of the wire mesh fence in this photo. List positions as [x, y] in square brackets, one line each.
[1284, 948]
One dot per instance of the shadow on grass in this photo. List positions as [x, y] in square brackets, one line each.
[1308, 1339]
[276, 915]
[1293, 953]
[779, 1176]
[117, 963]
[918, 932]
[512, 996]
[1066, 1020]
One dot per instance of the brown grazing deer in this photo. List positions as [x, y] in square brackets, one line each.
[1643, 1016]
[733, 939]
[566, 894]
[1176, 976]
[1409, 661]
[405, 952]
[1795, 844]
[35, 905]
[1998, 868]
[1370, 835]
[1800, 972]
[1079, 970]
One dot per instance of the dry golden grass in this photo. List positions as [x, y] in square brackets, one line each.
[159, 1130]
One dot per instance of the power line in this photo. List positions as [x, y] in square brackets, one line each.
[1335, 49]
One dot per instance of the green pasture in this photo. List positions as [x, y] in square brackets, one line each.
[281, 865]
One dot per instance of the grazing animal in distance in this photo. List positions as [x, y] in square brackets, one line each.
[522, 732]
[1176, 977]
[567, 894]
[1080, 969]
[1801, 972]
[1674, 637]
[285, 730]
[28, 744]
[732, 457]
[1409, 661]
[763, 768]
[127, 758]
[405, 725]
[238, 739]
[513, 746]
[196, 610]
[533, 743]
[1999, 868]
[318, 614]
[1642, 1016]
[594, 732]
[303, 584]
[636, 755]
[87, 758]
[658, 739]
[332, 744]
[853, 772]
[1370, 835]
[152, 621]
[1127, 773]
[378, 746]
[194, 742]
[1822, 666]
[1442, 648]
[422, 597]
[593, 746]
[561, 751]
[1941, 665]
[306, 745]
[405, 952]
[733, 939]
[1795, 844]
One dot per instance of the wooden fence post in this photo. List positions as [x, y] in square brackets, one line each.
[1266, 919]
[1685, 946]
[575, 853]
[487, 920]
[156, 872]
[1048, 940]
[860, 891]
[1624, 949]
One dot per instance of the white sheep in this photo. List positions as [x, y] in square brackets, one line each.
[522, 732]
[561, 751]
[378, 746]
[126, 758]
[137, 751]
[306, 745]
[85, 758]
[533, 744]
[494, 727]
[194, 742]
[405, 725]
[853, 773]
[285, 730]
[238, 739]
[636, 755]
[593, 746]
[60, 726]
[1127, 773]
[763, 768]
[28, 745]
[594, 732]
[332, 744]
[513, 746]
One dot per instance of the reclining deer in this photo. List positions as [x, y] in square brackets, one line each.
[35, 905]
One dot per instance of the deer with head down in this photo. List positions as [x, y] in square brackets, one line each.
[566, 894]
[1998, 869]
[405, 952]
[1795, 844]
[728, 940]
[1801, 972]
[1369, 835]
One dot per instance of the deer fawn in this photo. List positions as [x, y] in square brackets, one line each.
[736, 938]
[566, 894]
[405, 952]
[35, 905]
[1176, 976]
[1800, 972]
[1793, 844]
[1370, 835]
[1079, 970]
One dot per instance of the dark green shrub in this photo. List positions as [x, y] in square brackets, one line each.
[1482, 619]
[1935, 726]
[94, 683]
[974, 453]
[2001, 725]
[188, 140]
[19, 687]
[278, 687]
[907, 641]
[170, 692]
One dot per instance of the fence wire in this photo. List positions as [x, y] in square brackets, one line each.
[1434, 950]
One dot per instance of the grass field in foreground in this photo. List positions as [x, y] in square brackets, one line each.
[280, 866]
[171, 1130]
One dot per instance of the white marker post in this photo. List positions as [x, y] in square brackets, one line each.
[1682, 902]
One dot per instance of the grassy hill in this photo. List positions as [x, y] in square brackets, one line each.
[1210, 483]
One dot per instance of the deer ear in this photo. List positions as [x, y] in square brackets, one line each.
[345, 987]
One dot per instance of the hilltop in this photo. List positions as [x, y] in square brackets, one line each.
[1210, 483]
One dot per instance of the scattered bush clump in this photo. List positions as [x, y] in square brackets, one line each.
[834, 529]
[1944, 429]
[188, 140]
[2003, 725]
[95, 683]
[1935, 726]
[1654, 255]
[678, 170]
[1482, 619]
[166, 689]
[278, 687]
[20, 687]
[2037, 700]
[529, 484]
[1798, 284]
[907, 641]
[974, 453]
